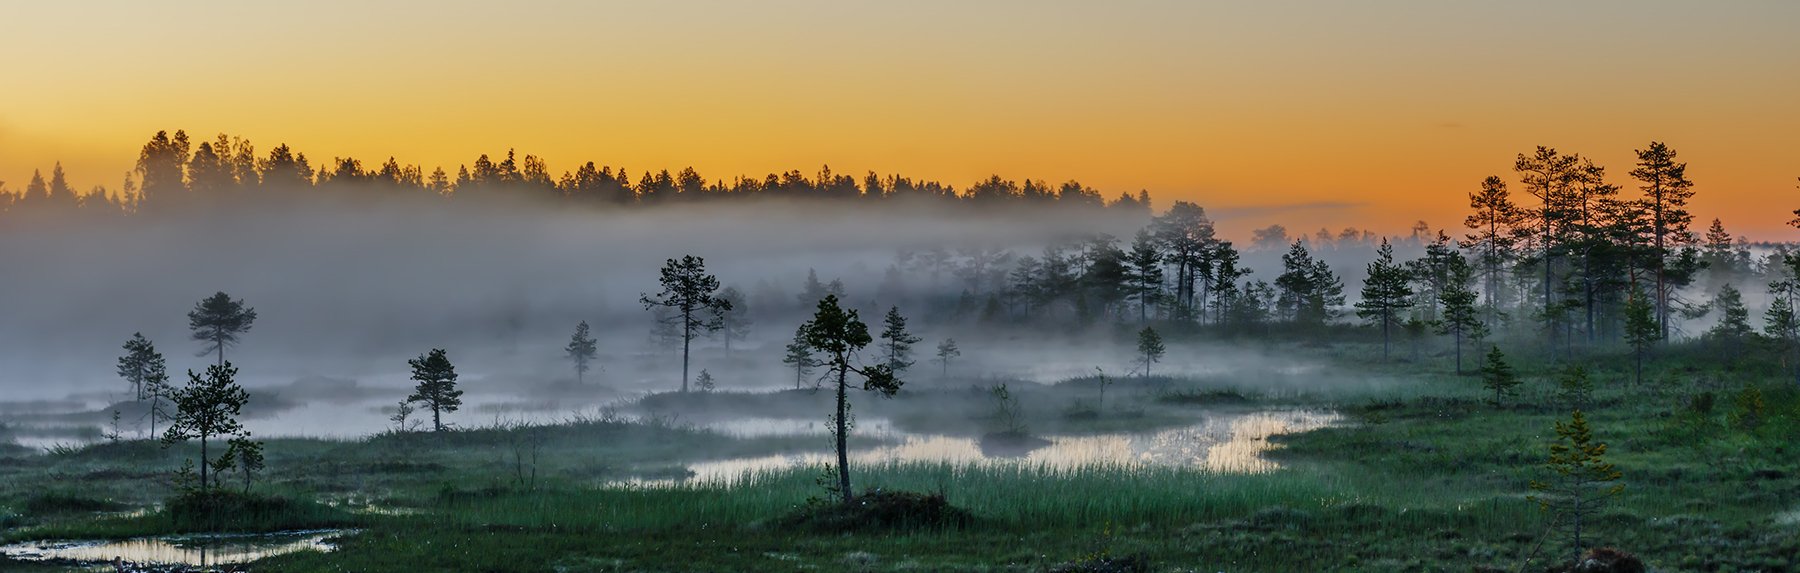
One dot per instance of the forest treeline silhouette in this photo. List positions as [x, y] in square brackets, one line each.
[173, 172]
[1561, 254]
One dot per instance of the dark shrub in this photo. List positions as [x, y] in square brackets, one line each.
[880, 509]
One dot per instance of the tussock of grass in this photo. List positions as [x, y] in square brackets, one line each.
[62, 503]
[1105, 564]
[229, 511]
[880, 510]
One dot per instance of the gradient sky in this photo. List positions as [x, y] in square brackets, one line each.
[1372, 114]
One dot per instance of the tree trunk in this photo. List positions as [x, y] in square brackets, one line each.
[1662, 296]
[437, 420]
[1638, 368]
[1385, 320]
[843, 444]
[687, 338]
[1577, 512]
[1587, 283]
[1459, 369]
[204, 463]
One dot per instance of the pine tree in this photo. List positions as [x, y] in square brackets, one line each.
[1222, 279]
[157, 390]
[1581, 480]
[945, 351]
[218, 321]
[1666, 192]
[704, 381]
[437, 385]
[839, 335]
[1548, 176]
[689, 291]
[1385, 294]
[246, 455]
[800, 357]
[1432, 273]
[1641, 331]
[207, 408]
[581, 350]
[1498, 376]
[897, 342]
[1186, 235]
[1150, 348]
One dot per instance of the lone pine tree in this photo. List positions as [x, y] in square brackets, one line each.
[838, 334]
[217, 321]
[1580, 481]
[437, 386]
[207, 408]
[945, 351]
[688, 291]
[581, 350]
[1150, 348]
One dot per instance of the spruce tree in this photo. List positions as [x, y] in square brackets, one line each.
[1781, 323]
[437, 385]
[800, 357]
[1461, 319]
[896, 342]
[1733, 329]
[1498, 376]
[1385, 294]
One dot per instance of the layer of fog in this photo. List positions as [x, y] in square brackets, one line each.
[346, 293]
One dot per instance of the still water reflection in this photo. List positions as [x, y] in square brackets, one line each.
[194, 551]
[1230, 442]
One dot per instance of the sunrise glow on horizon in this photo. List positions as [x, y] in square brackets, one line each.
[1369, 114]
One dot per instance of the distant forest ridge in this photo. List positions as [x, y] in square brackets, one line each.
[171, 170]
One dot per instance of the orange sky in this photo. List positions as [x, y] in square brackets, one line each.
[1372, 114]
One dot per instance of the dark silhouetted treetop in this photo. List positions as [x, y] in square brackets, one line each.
[217, 320]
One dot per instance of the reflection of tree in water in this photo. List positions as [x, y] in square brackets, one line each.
[188, 551]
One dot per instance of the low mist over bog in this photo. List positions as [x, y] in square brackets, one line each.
[353, 290]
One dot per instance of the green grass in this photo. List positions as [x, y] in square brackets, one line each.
[1425, 475]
